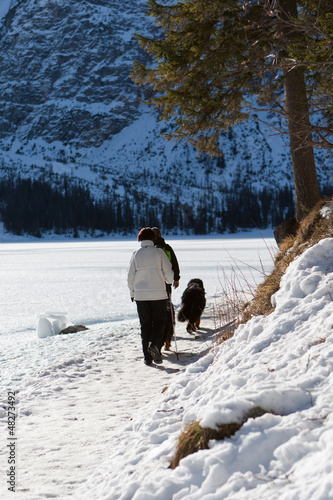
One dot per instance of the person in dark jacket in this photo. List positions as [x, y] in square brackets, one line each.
[169, 326]
[160, 243]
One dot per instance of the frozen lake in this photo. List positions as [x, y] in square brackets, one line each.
[87, 280]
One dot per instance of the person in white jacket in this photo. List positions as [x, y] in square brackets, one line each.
[149, 270]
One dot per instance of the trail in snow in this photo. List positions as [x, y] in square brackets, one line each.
[71, 410]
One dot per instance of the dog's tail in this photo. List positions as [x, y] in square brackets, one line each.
[181, 316]
[189, 313]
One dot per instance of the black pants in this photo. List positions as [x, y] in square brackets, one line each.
[152, 315]
[169, 325]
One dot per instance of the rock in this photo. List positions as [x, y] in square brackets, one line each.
[73, 329]
[287, 228]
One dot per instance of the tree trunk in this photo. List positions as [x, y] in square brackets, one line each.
[301, 147]
[304, 168]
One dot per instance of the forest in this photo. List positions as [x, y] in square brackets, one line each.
[36, 207]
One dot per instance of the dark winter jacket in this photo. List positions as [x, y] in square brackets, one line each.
[160, 243]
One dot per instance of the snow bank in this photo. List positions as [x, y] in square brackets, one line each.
[283, 363]
[51, 323]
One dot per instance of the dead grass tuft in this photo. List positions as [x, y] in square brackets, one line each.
[319, 341]
[195, 438]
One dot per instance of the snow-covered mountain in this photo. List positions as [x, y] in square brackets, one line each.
[68, 106]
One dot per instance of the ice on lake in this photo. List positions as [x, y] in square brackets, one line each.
[87, 282]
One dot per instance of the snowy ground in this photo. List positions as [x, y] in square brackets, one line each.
[92, 419]
[74, 393]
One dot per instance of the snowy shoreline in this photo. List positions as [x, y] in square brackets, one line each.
[6, 237]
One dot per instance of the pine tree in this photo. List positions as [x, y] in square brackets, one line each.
[213, 55]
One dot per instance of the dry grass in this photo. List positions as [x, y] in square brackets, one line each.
[242, 300]
[237, 293]
[312, 229]
[195, 438]
[318, 341]
[226, 334]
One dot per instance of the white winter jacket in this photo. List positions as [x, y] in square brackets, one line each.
[149, 270]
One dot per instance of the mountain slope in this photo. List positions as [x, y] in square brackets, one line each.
[68, 106]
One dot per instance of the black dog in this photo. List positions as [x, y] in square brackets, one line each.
[193, 304]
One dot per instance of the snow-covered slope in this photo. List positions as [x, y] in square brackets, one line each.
[68, 105]
[282, 363]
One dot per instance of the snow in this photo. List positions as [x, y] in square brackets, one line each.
[52, 323]
[95, 422]
[327, 210]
